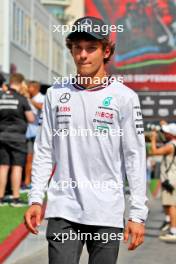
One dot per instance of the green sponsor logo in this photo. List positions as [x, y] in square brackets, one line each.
[102, 127]
[107, 101]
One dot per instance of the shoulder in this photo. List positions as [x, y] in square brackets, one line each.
[39, 95]
[170, 147]
[55, 92]
[59, 88]
[123, 91]
[39, 98]
[20, 97]
[127, 99]
[173, 144]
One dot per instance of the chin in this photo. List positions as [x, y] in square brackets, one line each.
[85, 73]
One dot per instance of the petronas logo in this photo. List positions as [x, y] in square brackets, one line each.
[107, 101]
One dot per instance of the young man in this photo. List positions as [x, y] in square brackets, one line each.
[37, 99]
[95, 162]
[15, 112]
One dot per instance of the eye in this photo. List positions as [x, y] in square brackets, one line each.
[77, 47]
[92, 48]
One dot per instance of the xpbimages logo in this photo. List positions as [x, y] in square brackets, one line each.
[87, 26]
[100, 131]
[72, 79]
[71, 235]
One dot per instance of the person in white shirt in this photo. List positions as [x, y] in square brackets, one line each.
[93, 136]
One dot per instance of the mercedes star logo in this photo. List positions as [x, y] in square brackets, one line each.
[65, 97]
[87, 22]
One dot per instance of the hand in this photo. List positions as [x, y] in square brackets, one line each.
[36, 212]
[137, 232]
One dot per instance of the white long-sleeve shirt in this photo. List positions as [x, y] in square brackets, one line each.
[93, 138]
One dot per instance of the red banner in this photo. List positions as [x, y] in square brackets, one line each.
[146, 49]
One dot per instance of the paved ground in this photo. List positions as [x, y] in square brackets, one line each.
[153, 251]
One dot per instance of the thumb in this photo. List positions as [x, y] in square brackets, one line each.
[126, 234]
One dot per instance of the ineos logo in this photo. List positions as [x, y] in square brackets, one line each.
[65, 98]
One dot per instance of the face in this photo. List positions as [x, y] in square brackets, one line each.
[32, 90]
[4, 87]
[89, 56]
[168, 136]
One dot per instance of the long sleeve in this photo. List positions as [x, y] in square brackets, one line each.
[133, 145]
[42, 161]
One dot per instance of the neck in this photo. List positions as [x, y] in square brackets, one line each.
[34, 94]
[14, 87]
[93, 79]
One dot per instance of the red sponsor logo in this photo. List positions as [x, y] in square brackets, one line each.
[104, 114]
[63, 109]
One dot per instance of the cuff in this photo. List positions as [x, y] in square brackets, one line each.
[35, 201]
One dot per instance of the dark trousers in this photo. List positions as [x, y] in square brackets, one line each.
[66, 240]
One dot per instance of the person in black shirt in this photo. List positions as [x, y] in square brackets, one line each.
[15, 113]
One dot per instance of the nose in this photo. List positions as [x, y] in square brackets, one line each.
[83, 54]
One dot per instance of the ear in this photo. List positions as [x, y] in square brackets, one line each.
[107, 52]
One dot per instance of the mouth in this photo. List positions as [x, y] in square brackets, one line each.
[84, 64]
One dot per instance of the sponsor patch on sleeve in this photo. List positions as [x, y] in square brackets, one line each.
[138, 120]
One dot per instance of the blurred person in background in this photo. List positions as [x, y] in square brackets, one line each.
[15, 113]
[3, 86]
[166, 224]
[36, 100]
[168, 176]
[24, 90]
